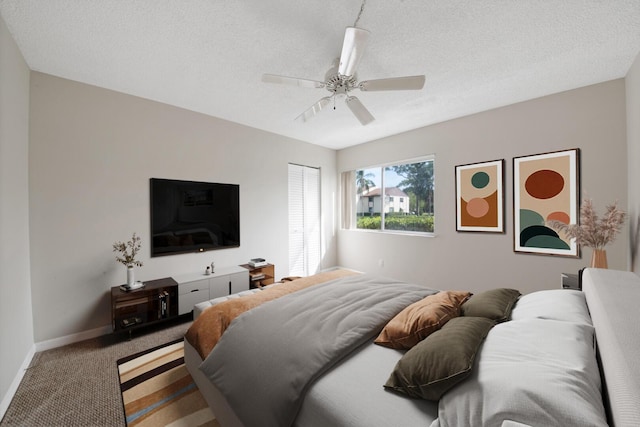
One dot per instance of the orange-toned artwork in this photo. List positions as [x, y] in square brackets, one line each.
[545, 188]
[480, 197]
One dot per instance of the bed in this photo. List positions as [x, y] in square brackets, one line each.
[347, 349]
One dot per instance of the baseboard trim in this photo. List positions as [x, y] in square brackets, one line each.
[337, 267]
[73, 338]
[13, 388]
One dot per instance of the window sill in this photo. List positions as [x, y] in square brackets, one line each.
[392, 232]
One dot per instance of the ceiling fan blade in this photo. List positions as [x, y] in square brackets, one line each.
[314, 109]
[359, 110]
[273, 78]
[394, 83]
[355, 40]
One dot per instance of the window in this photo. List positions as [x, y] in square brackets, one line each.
[396, 197]
[304, 220]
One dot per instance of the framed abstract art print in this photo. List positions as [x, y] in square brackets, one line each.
[480, 197]
[545, 188]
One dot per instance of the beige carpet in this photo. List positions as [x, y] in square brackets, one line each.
[78, 384]
[157, 390]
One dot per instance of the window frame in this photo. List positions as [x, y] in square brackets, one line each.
[382, 167]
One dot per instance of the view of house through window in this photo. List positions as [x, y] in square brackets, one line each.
[396, 197]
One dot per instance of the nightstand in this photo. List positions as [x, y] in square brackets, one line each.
[571, 281]
[260, 276]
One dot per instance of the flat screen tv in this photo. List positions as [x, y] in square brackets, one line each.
[189, 216]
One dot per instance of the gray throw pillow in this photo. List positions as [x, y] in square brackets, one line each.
[495, 304]
[441, 360]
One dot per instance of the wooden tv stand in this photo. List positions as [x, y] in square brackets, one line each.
[156, 302]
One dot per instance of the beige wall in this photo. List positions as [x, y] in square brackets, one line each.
[16, 326]
[633, 146]
[591, 118]
[92, 152]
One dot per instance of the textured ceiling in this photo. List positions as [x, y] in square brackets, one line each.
[208, 56]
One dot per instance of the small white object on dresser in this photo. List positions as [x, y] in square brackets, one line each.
[194, 288]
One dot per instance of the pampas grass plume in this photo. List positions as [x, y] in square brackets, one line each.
[593, 232]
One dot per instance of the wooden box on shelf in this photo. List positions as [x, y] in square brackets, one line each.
[157, 301]
[260, 276]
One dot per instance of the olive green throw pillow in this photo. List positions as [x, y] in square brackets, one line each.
[441, 360]
[495, 304]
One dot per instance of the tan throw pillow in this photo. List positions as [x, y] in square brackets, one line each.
[441, 361]
[420, 319]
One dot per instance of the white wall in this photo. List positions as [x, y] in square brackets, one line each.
[633, 146]
[16, 326]
[591, 118]
[92, 152]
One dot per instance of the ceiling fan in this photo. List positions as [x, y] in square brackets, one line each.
[341, 79]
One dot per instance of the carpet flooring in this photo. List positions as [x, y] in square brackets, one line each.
[157, 390]
[78, 384]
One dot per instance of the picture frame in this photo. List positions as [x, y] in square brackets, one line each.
[480, 197]
[546, 187]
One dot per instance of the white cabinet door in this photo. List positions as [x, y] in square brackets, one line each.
[192, 293]
[195, 288]
[187, 301]
[196, 285]
[239, 282]
[218, 286]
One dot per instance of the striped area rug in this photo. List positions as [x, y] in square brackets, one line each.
[157, 390]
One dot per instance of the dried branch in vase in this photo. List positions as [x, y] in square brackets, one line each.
[128, 251]
[593, 232]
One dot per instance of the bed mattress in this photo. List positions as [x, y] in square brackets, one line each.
[357, 379]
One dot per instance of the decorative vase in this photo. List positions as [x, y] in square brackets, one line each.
[599, 258]
[130, 276]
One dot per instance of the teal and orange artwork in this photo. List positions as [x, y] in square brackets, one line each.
[545, 189]
[479, 189]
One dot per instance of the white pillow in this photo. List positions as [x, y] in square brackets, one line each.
[557, 304]
[530, 371]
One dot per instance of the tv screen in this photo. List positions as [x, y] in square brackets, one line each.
[189, 216]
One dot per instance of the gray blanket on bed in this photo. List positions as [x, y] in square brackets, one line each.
[269, 356]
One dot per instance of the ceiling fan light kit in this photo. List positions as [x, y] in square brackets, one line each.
[341, 78]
